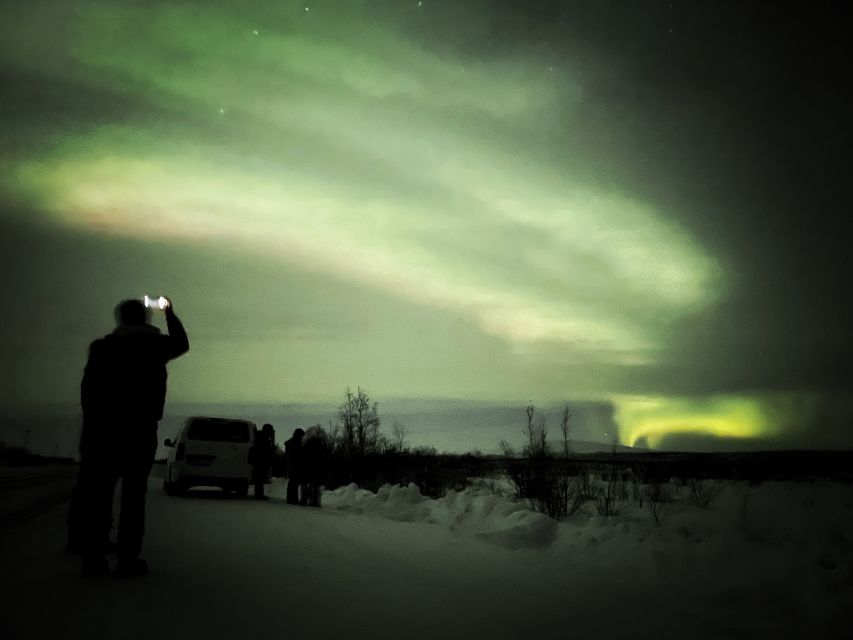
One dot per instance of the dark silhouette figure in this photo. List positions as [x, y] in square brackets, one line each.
[122, 395]
[314, 460]
[74, 542]
[75, 521]
[294, 463]
[262, 459]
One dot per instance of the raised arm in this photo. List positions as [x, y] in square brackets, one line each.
[178, 343]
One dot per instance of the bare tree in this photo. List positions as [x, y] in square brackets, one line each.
[564, 430]
[531, 430]
[657, 498]
[551, 486]
[701, 494]
[399, 435]
[609, 498]
[359, 422]
[335, 437]
[537, 434]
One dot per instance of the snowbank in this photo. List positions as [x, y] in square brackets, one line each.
[792, 538]
[477, 513]
[768, 561]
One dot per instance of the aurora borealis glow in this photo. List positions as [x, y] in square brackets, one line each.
[427, 199]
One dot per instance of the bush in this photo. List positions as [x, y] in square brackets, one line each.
[657, 497]
[556, 488]
[433, 474]
[701, 494]
[609, 499]
[637, 492]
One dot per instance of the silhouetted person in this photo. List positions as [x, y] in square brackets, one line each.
[293, 461]
[262, 459]
[75, 520]
[122, 395]
[314, 457]
[75, 524]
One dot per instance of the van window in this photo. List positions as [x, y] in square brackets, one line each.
[219, 431]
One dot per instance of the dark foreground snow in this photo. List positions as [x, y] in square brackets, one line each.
[225, 568]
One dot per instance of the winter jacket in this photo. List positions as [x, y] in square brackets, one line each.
[314, 460]
[293, 459]
[125, 375]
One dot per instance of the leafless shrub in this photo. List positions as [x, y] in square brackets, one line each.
[487, 484]
[548, 500]
[399, 435]
[678, 485]
[584, 484]
[701, 493]
[658, 496]
[515, 470]
[579, 487]
[637, 493]
[564, 430]
[537, 435]
[608, 500]
[553, 486]
[506, 449]
[625, 477]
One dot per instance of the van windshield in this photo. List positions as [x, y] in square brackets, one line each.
[219, 430]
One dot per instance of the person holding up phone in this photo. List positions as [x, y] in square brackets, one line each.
[122, 396]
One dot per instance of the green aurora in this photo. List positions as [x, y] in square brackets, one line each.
[376, 194]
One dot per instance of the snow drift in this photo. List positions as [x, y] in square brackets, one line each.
[472, 512]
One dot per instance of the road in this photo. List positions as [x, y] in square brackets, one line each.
[26, 492]
[229, 568]
[224, 567]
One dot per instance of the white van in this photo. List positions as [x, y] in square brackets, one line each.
[211, 452]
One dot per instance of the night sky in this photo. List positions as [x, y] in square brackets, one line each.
[635, 203]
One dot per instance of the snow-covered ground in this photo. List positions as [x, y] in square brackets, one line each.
[783, 550]
[767, 561]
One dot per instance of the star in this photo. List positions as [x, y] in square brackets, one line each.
[420, 4]
[255, 32]
[307, 8]
[222, 110]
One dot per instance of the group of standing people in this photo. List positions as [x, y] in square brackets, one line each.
[306, 457]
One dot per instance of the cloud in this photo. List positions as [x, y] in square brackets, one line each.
[549, 210]
[381, 184]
